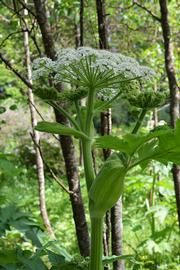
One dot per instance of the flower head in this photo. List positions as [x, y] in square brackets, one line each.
[89, 68]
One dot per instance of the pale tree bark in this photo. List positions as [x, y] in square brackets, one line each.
[113, 218]
[66, 141]
[81, 23]
[35, 134]
[116, 224]
[174, 89]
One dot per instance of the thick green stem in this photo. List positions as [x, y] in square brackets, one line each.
[96, 244]
[88, 163]
[90, 109]
[86, 145]
[139, 121]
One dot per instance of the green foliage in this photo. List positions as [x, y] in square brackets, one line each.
[2, 109]
[57, 128]
[161, 145]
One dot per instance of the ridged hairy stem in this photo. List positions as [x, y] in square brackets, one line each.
[96, 244]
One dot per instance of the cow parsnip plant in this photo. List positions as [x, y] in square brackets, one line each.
[102, 77]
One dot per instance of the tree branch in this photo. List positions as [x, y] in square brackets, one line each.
[15, 71]
[135, 2]
[26, 7]
[11, 34]
[49, 169]
[23, 79]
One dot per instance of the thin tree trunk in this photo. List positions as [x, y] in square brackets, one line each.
[105, 116]
[80, 42]
[116, 224]
[174, 89]
[39, 162]
[116, 212]
[66, 142]
[81, 24]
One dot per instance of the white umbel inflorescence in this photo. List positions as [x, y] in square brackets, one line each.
[74, 65]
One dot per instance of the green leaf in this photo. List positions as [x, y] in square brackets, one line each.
[13, 107]
[160, 212]
[145, 151]
[162, 145]
[2, 109]
[7, 256]
[57, 128]
[7, 167]
[111, 142]
[30, 234]
[32, 264]
[113, 258]
[128, 144]
[55, 259]
[133, 142]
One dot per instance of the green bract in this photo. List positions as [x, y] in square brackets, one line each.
[107, 187]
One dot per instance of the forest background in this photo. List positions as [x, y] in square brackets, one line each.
[143, 225]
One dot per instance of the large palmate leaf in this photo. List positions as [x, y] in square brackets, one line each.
[128, 144]
[111, 142]
[162, 145]
[57, 128]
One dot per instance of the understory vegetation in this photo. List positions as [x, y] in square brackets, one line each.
[150, 232]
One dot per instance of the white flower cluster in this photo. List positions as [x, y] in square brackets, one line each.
[42, 67]
[120, 64]
[74, 64]
[107, 93]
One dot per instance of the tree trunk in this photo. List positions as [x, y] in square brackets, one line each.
[116, 213]
[39, 162]
[174, 89]
[81, 24]
[105, 116]
[116, 224]
[81, 43]
[115, 216]
[66, 142]
[102, 29]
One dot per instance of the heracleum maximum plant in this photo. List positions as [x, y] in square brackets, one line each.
[101, 77]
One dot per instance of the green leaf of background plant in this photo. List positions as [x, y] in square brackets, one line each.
[13, 107]
[113, 258]
[2, 109]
